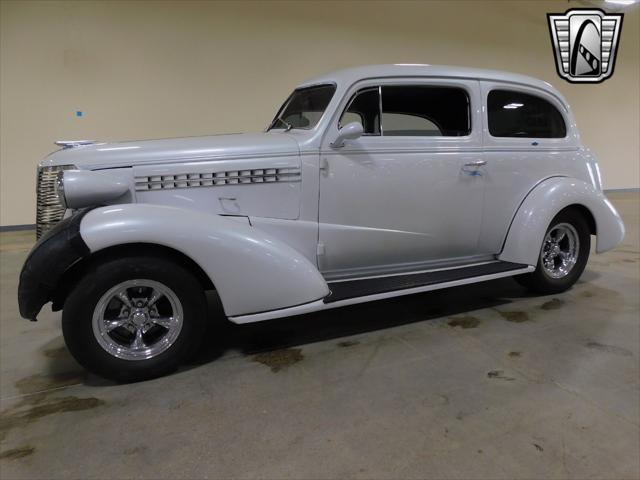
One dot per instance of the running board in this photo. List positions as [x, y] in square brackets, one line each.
[345, 290]
[349, 292]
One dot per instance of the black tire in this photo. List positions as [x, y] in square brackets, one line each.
[539, 280]
[77, 316]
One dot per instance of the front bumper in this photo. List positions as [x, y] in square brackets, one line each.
[55, 252]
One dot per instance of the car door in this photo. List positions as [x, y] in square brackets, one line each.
[527, 139]
[408, 193]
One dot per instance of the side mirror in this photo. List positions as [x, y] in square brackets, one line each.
[350, 131]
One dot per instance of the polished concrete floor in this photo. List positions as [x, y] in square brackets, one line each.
[473, 382]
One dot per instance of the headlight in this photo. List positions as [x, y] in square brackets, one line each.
[84, 188]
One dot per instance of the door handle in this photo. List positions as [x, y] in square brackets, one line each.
[324, 166]
[477, 163]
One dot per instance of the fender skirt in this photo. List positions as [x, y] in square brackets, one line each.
[49, 259]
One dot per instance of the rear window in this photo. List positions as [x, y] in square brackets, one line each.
[517, 114]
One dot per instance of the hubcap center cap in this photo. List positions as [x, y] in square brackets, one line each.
[139, 317]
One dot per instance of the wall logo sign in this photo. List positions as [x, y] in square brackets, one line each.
[585, 43]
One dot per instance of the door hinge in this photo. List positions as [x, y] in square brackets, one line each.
[320, 249]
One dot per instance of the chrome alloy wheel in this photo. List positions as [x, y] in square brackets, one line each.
[137, 319]
[560, 250]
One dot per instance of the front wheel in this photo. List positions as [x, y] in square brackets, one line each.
[563, 255]
[134, 318]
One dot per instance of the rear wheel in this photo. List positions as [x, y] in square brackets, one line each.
[563, 255]
[134, 318]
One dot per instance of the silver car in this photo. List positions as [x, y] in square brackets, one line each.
[370, 183]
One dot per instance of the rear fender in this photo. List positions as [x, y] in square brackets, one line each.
[251, 271]
[544, 202]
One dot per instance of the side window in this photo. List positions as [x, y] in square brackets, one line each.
[517, 114]
[425, 111]
[364, 107]
[402, 124]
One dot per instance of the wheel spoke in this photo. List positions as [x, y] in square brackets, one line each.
[155, 296]
[138, 342]
[166, 322]
[124, 298]
[113, 324]
[560, 236]
[564, 265]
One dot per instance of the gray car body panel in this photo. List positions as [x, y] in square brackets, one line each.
[252, 271]
[171, 150]
[544, 202]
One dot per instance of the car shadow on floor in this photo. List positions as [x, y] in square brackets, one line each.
[223, 335]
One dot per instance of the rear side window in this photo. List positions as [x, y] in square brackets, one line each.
[425, 111]
[516, 114]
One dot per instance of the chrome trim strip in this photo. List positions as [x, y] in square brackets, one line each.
[380, 109]
[443, 149]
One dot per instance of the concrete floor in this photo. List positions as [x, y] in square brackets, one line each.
[472, 382]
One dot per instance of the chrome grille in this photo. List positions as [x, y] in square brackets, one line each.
[49, 209]
[236, 177]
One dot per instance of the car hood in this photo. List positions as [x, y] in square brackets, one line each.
[170, 150]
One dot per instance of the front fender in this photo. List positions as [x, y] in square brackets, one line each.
[56, 251]
[252, 271]
[549, 197]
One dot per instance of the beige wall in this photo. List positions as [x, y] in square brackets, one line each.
[148, 70]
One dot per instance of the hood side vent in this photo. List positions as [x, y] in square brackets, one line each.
[233, 177]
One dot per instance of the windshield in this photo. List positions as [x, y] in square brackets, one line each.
[304, 108]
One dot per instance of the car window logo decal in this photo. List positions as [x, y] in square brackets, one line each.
[585, 43]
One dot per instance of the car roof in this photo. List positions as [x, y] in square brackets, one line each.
[349, 76]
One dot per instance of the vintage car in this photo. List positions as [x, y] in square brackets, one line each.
[370, 183]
